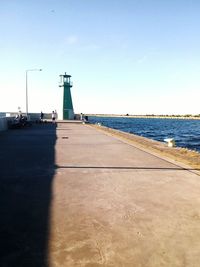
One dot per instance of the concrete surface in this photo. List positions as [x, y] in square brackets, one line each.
[74, 196]
[188, 159]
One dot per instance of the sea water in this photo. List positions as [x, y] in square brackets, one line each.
[186, 132]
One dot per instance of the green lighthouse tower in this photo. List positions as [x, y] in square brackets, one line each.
[68, 111]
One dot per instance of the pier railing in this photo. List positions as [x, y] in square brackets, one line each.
[8, 119]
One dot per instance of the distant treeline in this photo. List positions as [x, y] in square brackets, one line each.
[147, 115]
[177, 116]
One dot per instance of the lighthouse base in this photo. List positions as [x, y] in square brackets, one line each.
[68, 114]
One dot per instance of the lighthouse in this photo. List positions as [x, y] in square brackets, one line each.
[68, 111]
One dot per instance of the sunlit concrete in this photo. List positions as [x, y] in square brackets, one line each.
[115, 205]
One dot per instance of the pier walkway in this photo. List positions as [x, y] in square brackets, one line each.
[74, 196]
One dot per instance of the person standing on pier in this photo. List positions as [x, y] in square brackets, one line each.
[53, 116]
[41, 116]
[56, 115]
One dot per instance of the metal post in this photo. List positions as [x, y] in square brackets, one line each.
[26, 93]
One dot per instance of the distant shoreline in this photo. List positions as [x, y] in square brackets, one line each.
[187, 117]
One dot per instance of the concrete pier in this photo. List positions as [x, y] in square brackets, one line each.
[74, 196]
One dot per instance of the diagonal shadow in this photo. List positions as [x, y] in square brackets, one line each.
[125, 168]
[26, 173]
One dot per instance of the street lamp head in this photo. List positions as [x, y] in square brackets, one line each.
[34, 70]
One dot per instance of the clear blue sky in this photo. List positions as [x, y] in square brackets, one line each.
[125, 56]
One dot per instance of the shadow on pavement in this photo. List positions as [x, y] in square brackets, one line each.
[26, 173]
[127, 168]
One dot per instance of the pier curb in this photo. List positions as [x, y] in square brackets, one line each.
[185, 158]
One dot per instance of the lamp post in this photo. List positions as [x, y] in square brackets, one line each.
[27, 88]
